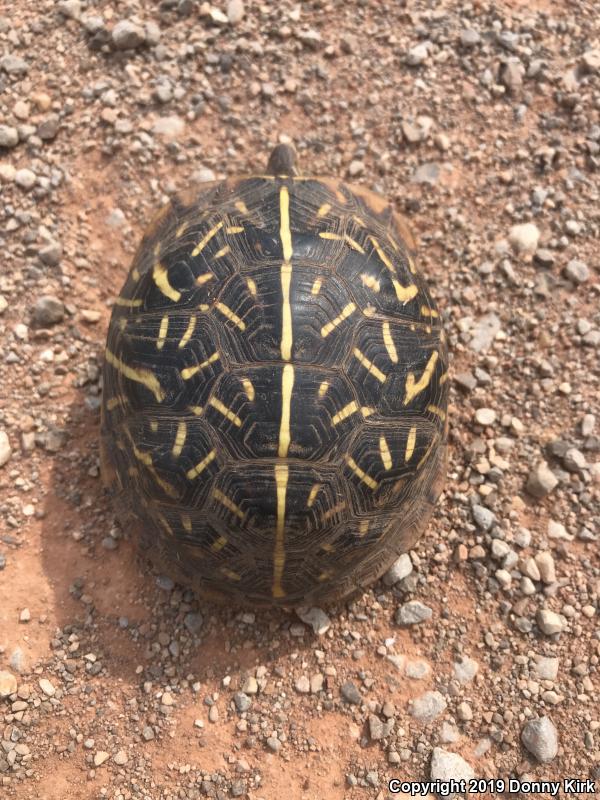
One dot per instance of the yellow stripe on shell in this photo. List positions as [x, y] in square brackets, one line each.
[189, 372]
[344, 314]
[143, 376]
[287, 385]
[231, 315]
[206, 239]
[368, 365]
[414, 387]
[361, 474]
[201, 465]
[389, 343]
[281, 481]
[227, 412]
[160, 276]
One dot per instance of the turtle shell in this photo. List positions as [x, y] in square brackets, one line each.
[274, 405]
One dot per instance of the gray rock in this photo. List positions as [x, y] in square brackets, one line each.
[169, 127]
[541, 480]
[14, 65]
[120, 758]
[92, 24]
[376, 728]
[274, 744]
[577, 271]
[546, 667]
[418, 54]
[465, 670]
[302, 685]
[147, 733]
[427, 173]
[511, 74]
[446, 766]
[401, 567]
[485, 331]
[193, 621]
[469, 38]
[48, 128]
[428, 706]
[9, 136]
[127, 35]
[413, 613]
[242, 701]
[5, 448]
[48, 310]
[51, 254]
[484, 518]
[25, 178]
[350, 693]
[70, 9]
[315, 617]
[540, 737]
[591, 60]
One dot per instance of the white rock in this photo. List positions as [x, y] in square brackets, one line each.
[545, 564]
[100, 757]
[169, 127]
[5, 448]
[549, 622]
[25, 178]
[524, 238]
[485, 416]
[418, 54]
[8, 683]
[546, 667]
[446, 766]
[428, 706]
[401, 567]
[235, 11]
[47, 687]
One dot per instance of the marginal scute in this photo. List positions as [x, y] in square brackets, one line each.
[275, 390]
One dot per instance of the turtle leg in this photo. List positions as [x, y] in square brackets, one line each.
[282, 161]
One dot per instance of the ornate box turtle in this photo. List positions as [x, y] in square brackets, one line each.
[274, 404]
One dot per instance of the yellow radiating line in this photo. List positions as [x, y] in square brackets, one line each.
[222, 498]
[354, 244]
[188, 332]
[313, 494]
[146, 460]
[368, 365]
[196, 410]
[439, 412]
[204, 278]
[363, 526]
[427, 453]
[411, 264]
[366, 411]
[443, 377]
[189, 372]
[346, 411]
[222, 252]
[371, 282]
[127, 303]
[112, 403]
[143, 376]
[287, 384]
[203, 307]
[316, 287]
[359, 221]
[164, 523]
[405, 293]
[384, 451]
[331, 512]
[428, 312]
[323, 388]
[136, 274]
[248, 388]
[281, 481]
[203, 242]
[410, 443]
[241, 206]
[389, 343]
[218, 544]
[180, 437]
[413, 387]
[201, 465]
[326, 329]
[392, 241]
[227, 312]
[325, 208]
[162, 333]
[286, 312]
[229, 573]
[186, 521]
[366, 479]
[234, 229]
[160, 276]
[334, 237]
[284, 223]
[382, 254]
[153, 425]
[181, 230]
[227, 412]
[251, 286]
